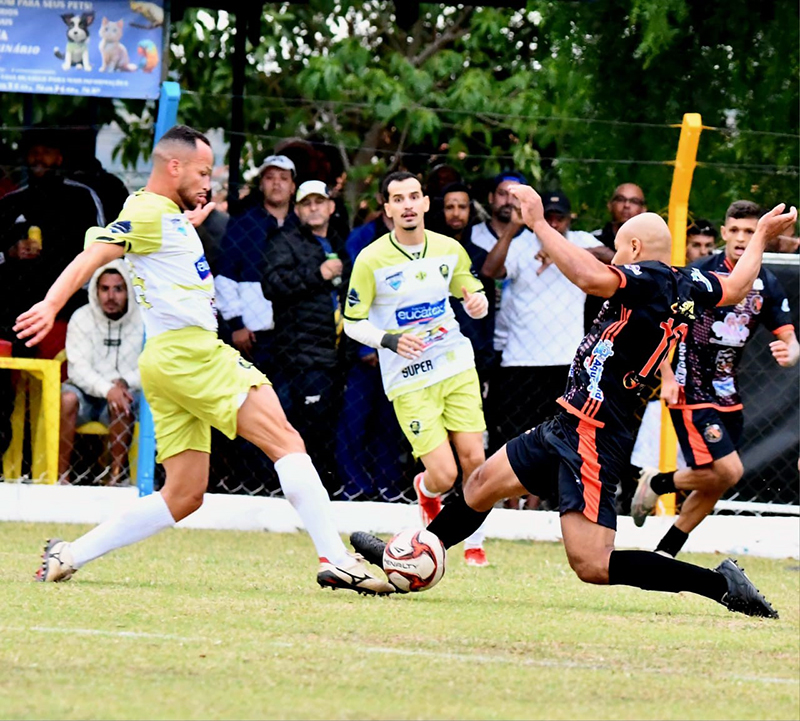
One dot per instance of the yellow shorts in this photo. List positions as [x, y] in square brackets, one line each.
[426, 415]
[193, 381]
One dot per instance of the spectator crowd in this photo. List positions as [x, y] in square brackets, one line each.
[281, 258]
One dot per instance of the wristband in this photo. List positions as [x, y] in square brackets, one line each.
[390, 341]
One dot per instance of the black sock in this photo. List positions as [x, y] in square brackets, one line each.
[456, 521]
[673, 541]
[652, 572]
[663, 483]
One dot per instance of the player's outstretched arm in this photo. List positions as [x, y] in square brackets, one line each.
[36, 322]
[770, 225]
[578, 264]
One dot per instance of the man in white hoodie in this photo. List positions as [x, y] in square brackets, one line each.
[104, 340]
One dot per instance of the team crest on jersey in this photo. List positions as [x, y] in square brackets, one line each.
[353, 298]
[120, 226]
[698, 277]
[594, 365]
[421, 276]
[415, 427]
[444, 269]
[247, 365]
[203, 268]
[758, 284]
[712, 433]
[756, 303]
[179, 225]
[395, 280]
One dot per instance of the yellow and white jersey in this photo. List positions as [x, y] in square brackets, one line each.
[169, 271]
[399, 293]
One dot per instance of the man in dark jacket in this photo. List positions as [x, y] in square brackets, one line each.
[42, 225]
[305, 273]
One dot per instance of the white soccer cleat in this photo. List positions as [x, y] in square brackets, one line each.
[645, 498]
[354, 576]
[57, 564]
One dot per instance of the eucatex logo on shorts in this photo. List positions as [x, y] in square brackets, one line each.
[420, 313]
[203, 269]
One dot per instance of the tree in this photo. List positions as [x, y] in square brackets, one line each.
[581, 95]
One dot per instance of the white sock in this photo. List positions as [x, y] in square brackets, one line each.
[146, 517]
[303, 488]
[424, 489]
[476, 539]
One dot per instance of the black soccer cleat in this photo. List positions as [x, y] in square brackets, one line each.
[369, 546]
[742, 595]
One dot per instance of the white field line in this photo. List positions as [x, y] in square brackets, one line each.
[468, 658]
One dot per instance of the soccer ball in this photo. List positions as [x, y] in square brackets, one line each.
[414, 560]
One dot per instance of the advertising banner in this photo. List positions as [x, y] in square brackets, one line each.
[101, 48]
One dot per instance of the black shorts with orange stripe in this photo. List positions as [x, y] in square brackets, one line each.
[586, 463]
[706, 434]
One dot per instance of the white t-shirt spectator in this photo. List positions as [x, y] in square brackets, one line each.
[542, 312]
[484, 237]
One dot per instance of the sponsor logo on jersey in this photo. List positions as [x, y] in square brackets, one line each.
[203, 268]
[725, 361]
[732, 330]
[635, 269]
[444, 269]
[434, 335]
[684, 308]
[758, 284]
[724, 387]
[713, 433]
[417, 368]
[415, 427]
[120, 227]
[353, 298]
[395, 280]
[594, 365]
[680, 366]
[420, 313]
[698, 277]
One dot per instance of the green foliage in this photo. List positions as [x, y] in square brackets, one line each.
[576, 94]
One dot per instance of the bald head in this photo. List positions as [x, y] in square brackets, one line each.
[643, 237]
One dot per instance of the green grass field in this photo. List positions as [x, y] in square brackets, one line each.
[225, 625]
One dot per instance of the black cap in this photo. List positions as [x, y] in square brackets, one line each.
[555, 200]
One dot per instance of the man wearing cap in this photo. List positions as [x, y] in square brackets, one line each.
[237, 282]
[304, 275]
[543, 314]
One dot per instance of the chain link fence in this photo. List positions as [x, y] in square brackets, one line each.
[330, 387]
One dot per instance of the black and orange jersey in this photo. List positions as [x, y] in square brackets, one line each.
[706, 364]
[635, 330]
